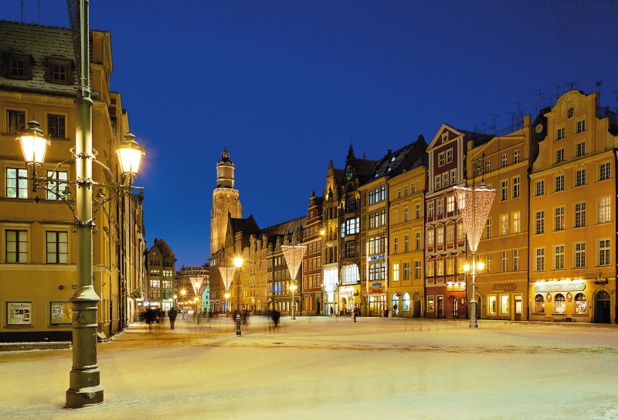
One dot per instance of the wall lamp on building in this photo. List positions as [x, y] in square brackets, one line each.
[85, 388]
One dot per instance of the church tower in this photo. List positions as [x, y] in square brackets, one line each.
[225, 202]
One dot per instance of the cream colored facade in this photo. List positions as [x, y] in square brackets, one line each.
[573, 214]
[501, 288]
[406, 284]
[38, 249]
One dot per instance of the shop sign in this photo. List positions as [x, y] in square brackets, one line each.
[559, 287]
[376, 257]
[507, 287]
[346, 291]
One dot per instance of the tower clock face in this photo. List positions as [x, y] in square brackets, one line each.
[349, 174]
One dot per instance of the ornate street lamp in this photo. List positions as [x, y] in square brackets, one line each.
[474, 204]
[84, 388]
[293, 255]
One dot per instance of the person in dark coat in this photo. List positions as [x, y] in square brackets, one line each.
[276, 315]
[172, 314]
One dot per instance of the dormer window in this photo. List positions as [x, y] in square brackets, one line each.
[59, 71]
[16, 66]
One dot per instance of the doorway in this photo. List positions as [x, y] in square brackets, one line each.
[518, 307]
[602, 308]
[440, 306]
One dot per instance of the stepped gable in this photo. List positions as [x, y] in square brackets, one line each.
[39, 43]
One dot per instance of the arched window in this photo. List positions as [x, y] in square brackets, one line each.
[581, 304]
[405, 302]
[559, 304]
[539, 304]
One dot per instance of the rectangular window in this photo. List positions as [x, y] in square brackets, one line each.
[604, 171]
[604, 252]
[445, 179]
[558, 257]
[504, 305]
[516, 260]
[15, 121]
[559, 218]
[441, 159]
[430, 237]
[406, 214]
[440, 268]
[406, 243]
[395, 272]
[492, 305]
[581, 126]
[580, 214]
[505, 160]
[55, 188]
[15, 187]
[16, 246]
[453, 176]
[450, 233]
[56, 126]
[580, 149]
[580, 178]
[450, 203]
[516, 187]
[559, 183]
[539, 263]
[539, 222]
[396, 245]
[406, 271]
[516, 156]
[580, 255]
[516, 222]
[504, 262]
[417, 241]
[449, 155]
[438, 182]
[440, 235]
[487, 229]
[417, 211]
[540, 188]
[559, 155]
[417, 270]
[504, 190]
[440, 207]
[560, 133]
[504, 224]
[605, 210]
[57, 247]
[430, 209]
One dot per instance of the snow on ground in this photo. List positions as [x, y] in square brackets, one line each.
[314, 367]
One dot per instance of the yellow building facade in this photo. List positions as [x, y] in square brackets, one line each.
[573, 213]
[38, 248]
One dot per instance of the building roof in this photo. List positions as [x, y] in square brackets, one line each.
[39, 43]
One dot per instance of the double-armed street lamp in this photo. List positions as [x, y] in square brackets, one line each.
[85, 388]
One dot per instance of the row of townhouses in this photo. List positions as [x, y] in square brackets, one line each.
[387, 236]
[39, 250]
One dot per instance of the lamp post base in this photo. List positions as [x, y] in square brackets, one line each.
[77, 398]
[473, 322]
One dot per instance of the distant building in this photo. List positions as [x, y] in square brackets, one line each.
[38, 248]
[311, 288]
[186, 288]
[161, 265]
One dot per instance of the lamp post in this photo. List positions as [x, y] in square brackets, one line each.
[198, 287]
[85, 388]
[474, 204]
[238, 264]
[293, 255]
[227, 274]
[183, 292]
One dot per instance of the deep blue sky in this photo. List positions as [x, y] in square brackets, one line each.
[288, 85]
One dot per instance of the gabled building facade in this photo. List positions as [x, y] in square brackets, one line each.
[312, 262]
[161, 266]
[573, 213]
[445, 240]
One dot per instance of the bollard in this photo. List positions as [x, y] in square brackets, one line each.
[237, 325]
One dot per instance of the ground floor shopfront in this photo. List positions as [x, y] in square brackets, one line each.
[446, 301]
[580, 300]
[405, 303]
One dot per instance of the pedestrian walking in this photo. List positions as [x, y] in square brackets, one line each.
[355, 313]
[172, 313]
[276, 316]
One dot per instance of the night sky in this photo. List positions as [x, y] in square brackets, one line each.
[288, 85]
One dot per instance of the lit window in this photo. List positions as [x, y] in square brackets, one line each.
[604, 252]
[516, 222]
[605, 210]
[539, 304]
[16, 187]
[581, 304]
[559, 304]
